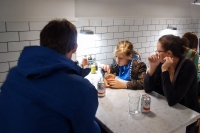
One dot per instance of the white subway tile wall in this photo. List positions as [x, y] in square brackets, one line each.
[147, 21]
[163, 21]
[9, 56]
[123, 28]
[37, 25]
[95, 22]
[107, 22]
[129, 22]
[128, 34]
[17, 26]
[107, 36]
[29, 35]
[137, 34]
[3, 47]
[89, 28]
[118, 21]
[113, 42]
[146, 33]
[13, 64]
[110, 55]
[138, 22]
[119, 35]
[9, 36]
[17, 46]
[101, 43]
[3, 76]
[2, 26]
[113, 29]
[142, 27]
[101, 29]
[82, 23]
[35, 43]
[106, 49]
[142, 32]
[134, 28]
[133, 40]
[4, 67]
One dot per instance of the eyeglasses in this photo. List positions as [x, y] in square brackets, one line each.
[157, 51]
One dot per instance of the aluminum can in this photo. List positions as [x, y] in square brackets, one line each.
[145, 103]
[101, 88]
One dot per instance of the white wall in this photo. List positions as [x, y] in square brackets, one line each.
[195, 9]
[36, 10]
[22, 20]
[142, 32]
[136, 8]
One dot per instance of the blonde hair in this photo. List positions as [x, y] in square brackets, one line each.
[125, 47]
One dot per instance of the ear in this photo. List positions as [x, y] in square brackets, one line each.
[75, 48]
[169, 53]
[131, 55]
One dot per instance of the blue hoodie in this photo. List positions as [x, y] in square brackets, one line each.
[47, 93]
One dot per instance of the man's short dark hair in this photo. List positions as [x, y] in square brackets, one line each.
[59, 35]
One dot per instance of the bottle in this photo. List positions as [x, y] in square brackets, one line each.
[101, 88]
[94, 63]
[90, 60]
[84, 62]
[93, 69]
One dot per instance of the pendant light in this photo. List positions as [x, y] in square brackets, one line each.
[171, 28]
[86, 32]
[195, 2]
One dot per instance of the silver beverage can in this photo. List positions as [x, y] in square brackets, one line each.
[101, 88]
[145, 103]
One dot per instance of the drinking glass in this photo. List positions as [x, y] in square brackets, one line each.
[133, 102]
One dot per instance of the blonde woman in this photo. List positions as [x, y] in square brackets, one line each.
[127, 66]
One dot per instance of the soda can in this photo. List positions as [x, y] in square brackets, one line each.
[101, 88]
[145, 103]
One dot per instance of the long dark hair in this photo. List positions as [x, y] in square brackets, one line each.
[59, 35]
[174, 43]
[193, 40]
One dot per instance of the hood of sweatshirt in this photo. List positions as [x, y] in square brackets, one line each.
[39, 61]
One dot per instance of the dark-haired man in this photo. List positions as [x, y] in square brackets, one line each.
[46, 92]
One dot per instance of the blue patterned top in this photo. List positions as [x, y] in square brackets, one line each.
[125, 71]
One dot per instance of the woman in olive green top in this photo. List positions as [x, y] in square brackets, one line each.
[191, 52]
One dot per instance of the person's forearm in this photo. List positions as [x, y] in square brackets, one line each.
[148, 84]
[151, 71]
[124, 85]
[120, 85]
[135, 84]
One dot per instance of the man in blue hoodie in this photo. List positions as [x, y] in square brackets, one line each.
[46, 92]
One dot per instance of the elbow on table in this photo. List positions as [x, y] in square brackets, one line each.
[171, 103]
[147, 90]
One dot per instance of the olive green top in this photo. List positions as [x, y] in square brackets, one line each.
[193, 56]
